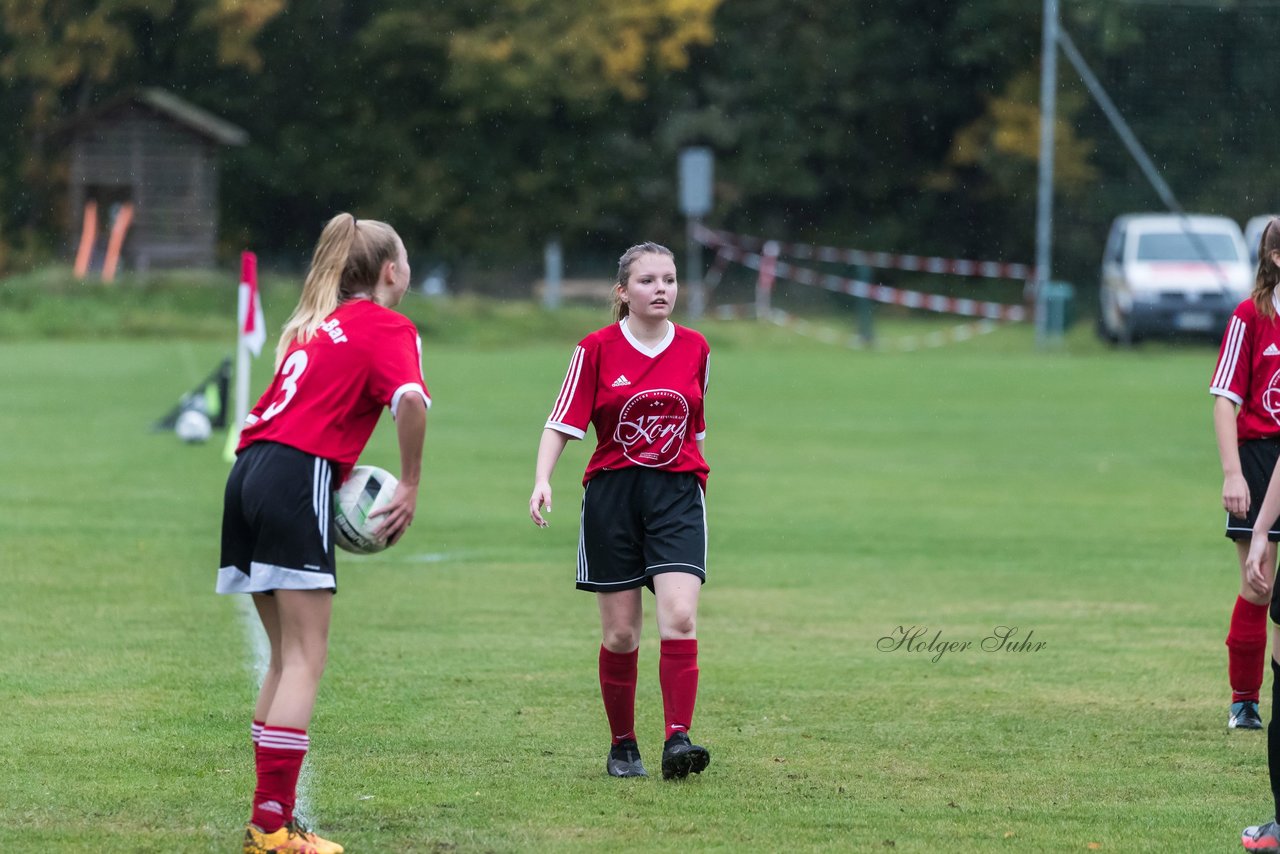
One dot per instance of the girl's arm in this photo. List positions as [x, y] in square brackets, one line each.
[1235, 492]
[1258, 575]
[411, 431]
[549, 450]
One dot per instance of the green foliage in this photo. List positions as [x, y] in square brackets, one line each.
[481, 130]
[52, 303]
[525, 56]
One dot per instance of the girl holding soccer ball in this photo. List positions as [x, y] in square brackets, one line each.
[344, 356]
[640, 383]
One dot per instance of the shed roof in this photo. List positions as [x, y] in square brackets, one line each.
[169, 106]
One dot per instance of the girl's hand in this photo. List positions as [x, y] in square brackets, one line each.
[540, 498]
[1255, 573]
[1235, 495]
[398, 513]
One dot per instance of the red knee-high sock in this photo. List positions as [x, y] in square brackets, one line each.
[280, 753]
[618, 689]
[678, 676]
[1246, 649]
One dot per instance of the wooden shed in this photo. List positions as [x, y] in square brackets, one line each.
[157, 154]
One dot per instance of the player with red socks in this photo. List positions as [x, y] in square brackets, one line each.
[1246, 420]
[344, 355]
[640, 382]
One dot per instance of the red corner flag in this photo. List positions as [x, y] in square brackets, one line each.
[253, 327]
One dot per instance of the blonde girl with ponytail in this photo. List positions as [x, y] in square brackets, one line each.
[343, 356]
[346, 263]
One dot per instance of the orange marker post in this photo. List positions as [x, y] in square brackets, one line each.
[119, 227]
[88, 234]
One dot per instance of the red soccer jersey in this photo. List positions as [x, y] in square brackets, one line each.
[1248, 371]
[645, 404]
[326, 397]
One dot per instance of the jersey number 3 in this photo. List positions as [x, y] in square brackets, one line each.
[293, 368]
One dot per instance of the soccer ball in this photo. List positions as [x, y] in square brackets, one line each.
[369, 488]
[193, 427]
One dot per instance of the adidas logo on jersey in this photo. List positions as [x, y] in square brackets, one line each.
[1271, 350]
[621, 381]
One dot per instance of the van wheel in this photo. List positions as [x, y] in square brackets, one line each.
[1125, 337]
[1121, 337]
[1103, 332]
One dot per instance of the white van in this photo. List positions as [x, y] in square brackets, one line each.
[1165, 274]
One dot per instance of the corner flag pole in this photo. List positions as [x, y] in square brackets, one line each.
[251, 334]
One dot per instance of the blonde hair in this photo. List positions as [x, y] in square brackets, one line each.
[620, 308]
[1268, 275]
[347, 261]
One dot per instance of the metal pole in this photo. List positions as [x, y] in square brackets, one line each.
[1121, 127]
[241, 410]
[1044, 199]
[693, 253]
[552, 273]
[1136, 151]
[697, 164]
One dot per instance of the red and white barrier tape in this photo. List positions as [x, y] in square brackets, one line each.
[880, 293]
[880, 260]
[827, 335]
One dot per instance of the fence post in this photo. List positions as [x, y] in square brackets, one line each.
[764, 282]
[865, 309]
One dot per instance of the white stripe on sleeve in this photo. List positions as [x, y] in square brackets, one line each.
[1230, 354]
[569, 388]
[408, 388]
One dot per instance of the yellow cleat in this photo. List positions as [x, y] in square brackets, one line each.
[322, 846]
[285, 839]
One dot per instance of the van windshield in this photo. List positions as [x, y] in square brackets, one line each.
[1179, 246]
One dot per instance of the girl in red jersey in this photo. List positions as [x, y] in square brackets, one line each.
[1260, 561]
[1246, 421]
[343, 356]
[640, 382]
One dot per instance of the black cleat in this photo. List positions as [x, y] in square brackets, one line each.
[1244, 715]
[680, 758]
[624, 760]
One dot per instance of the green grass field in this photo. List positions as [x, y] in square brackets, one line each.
[1072, 495]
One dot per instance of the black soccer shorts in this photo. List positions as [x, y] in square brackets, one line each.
[275, 522]
[640, 522]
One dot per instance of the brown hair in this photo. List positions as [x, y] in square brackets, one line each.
[347, 261]
[1268, 275]
[620, 308]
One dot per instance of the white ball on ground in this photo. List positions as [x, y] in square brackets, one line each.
[193, 427]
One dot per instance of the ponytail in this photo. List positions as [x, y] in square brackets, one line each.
[347, 261]
[620, 307]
